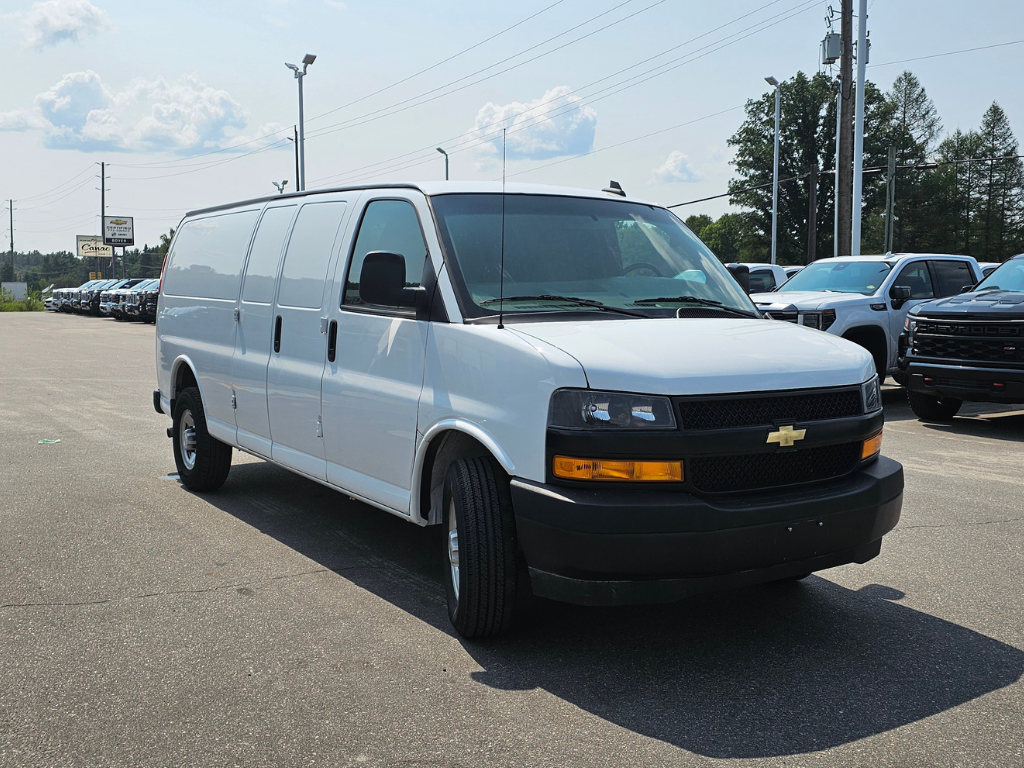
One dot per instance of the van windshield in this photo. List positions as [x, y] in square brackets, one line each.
[839, 276]
[570, 254]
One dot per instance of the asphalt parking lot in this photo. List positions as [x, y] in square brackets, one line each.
[279, 623]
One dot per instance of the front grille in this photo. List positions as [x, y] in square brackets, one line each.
[973, 329]
[789, 317]
[724, 474]
[989, 350]
[768, 410]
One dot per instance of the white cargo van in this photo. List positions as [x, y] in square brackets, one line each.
[568, 382]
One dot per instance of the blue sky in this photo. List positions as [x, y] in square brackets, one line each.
[189, 103]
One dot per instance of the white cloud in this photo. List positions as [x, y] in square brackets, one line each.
[556, 124]
[676, 168]
[51, 22]
[81, 112]
[336, 4]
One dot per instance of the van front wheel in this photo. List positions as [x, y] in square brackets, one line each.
[203, 461]
[480, 548]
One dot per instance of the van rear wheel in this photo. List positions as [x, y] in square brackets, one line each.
[203, 461]
[480, 548]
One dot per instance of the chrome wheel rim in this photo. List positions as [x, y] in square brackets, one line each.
[187, 439]
[453, 547]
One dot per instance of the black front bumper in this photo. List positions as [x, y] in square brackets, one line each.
[616, 547]
[964, 382]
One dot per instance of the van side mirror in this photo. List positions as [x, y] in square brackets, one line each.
[899, 294]
[382, 282]
[741, 274]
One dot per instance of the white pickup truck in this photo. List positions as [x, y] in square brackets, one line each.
[866, 298]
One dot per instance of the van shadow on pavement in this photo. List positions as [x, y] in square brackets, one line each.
[760, 672]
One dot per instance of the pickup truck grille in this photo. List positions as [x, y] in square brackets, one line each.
[728, 412]
[979, 342]
[724, 474]
[789, 317]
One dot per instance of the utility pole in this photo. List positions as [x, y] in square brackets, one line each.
[858, 131]
[812, 212]
[11, 208]
[890, 200]
[844, 201]
[103, 209]
[967, 231]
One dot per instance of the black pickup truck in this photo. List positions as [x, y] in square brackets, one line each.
[967, 347]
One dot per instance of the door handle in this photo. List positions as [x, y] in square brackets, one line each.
[332, 341]
[277, 334]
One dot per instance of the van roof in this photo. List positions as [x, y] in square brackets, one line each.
[432, 188]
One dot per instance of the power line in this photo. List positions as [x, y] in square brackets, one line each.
[47, 193]
[948, 53]
[363, 98]
[469, 142]
[66, 194]
[430, 148]
[872, 169]
[438, 64]
[402, 106]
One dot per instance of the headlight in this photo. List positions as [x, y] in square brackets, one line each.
[871, 395]
[585, 409]
[820, 320]
[909, 324]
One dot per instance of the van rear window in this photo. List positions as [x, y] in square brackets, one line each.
[206, 260]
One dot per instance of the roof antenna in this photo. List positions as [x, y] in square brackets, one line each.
[501, 277]
[614, 188]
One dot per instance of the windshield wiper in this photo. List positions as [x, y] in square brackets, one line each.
[692, 300]
[591, 303]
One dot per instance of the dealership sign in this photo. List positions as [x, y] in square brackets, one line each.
[118, 230]
[90, 246]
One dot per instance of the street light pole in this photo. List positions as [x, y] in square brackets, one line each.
[775, 169]
[445, 162]
[308, 59]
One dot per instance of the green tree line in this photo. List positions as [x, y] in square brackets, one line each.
[963, 195]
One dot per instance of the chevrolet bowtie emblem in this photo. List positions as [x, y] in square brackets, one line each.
[786, 436]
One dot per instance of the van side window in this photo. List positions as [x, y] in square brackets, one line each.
[309, 253]
[261, 271]
[387, 225]
[206, 261]
[916, 277]
[952, 276]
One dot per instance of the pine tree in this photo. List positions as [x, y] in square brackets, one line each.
[912, 130]
[1000, 192]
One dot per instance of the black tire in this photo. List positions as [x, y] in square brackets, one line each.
[206, 466]
[481, 581]
[931, 408]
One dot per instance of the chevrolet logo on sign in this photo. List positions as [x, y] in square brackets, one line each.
[118, 222]
[786, 436]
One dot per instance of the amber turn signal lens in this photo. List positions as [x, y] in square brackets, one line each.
[872, 447]
[569, 468]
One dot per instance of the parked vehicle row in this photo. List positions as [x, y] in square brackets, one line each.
[865, 299]
[131, 299]
[568, 383]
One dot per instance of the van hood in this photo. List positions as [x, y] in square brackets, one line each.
[685, 356]
[807, 299]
